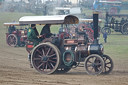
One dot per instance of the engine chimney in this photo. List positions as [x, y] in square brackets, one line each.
[95, 26]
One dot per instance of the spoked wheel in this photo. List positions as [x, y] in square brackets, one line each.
[82, 25]
[12, 40]
[88, 29]
[94, 64]
[46, 58]
[108, 64]
[90, 34]
[107, 29]
[113, 10]
[124, 29]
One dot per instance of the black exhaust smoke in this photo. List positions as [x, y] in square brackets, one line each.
[95, 26]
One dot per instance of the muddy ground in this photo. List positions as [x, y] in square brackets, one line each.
[15, 70]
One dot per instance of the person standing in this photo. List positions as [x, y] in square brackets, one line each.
[11, 29]
[105, 36]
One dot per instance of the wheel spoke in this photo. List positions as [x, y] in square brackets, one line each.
[89, 65]
[39, 52]
[46, 67]
[52, 55]
[94, 59]
[108, 63]
[43, 52]
[92, 69]
[48, 51]
[89, 61]
[105, 59]
[108, 67]
[52, 61]
[49, 66]
[41, 65]
[37, 59]
[97, 64]
[97, 69]
[52, 65]
[53, 58]
[40, 56]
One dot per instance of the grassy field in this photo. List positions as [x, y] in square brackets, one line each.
[116, 47]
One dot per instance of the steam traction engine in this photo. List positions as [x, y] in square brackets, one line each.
[17, 37]
[118, 22]
[58, 54]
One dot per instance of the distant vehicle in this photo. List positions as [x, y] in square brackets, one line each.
[117, 22]
[68, 10]
[87, 24]
[113, 7]
[16, 37]
[1, 1]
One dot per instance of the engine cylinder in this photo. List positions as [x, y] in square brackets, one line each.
[95, 49]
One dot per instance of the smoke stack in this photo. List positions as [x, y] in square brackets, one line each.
[95, 26]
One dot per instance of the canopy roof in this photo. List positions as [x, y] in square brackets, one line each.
[62, 8]
[55, 19]
[13, 23]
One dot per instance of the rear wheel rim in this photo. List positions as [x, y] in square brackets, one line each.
[45, 58]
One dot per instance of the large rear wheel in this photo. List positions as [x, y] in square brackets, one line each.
[94, 64]
[46, 58]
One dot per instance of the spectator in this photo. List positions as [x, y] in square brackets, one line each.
[11, 29]
[105, 36]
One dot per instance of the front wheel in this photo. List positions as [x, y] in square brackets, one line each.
[46, 58]
[94, 64]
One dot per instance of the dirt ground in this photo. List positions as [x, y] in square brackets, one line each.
[15, 70]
